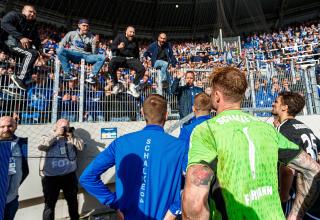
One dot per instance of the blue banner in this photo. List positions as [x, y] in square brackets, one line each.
[109, 133]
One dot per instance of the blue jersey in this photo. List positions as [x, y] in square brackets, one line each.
[148, 166]
[185, 133]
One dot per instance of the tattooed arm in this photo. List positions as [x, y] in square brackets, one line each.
[196, 192]
[308, 190]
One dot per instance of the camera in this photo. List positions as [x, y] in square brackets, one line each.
[68, 129]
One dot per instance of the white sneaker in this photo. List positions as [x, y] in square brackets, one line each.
[133, 90]
[117, 88]
[91, 80]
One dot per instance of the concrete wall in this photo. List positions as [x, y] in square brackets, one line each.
[31, 197]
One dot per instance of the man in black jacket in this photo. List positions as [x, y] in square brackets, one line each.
[20, 36]
[185, 93]
[125, 51]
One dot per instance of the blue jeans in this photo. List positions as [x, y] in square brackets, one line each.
[11, 209]
[66, 55]
[163, 66]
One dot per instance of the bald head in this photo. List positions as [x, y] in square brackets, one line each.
[7, 127]
[30, 12]
[162, 39]
[130, 33]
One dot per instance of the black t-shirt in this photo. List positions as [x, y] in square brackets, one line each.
[302, 135]
[162, 54]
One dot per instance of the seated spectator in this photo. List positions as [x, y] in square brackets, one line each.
[161, 55]
[83, 45]
[20, 36]
[126, 54]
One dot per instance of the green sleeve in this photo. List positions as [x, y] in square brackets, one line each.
[287, 149]
[202, 148]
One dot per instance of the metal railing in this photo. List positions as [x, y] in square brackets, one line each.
[49, 98]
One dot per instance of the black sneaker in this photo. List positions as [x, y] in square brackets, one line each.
[18, 82]
[69, 77]
[13, 91]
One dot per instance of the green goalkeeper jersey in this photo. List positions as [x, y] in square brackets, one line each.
[243, 151]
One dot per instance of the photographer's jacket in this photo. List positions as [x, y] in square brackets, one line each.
[59, 155]
[79, 43]
[149, 167]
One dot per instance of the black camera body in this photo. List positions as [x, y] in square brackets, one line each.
[68, 129]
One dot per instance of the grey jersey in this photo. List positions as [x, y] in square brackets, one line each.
[80, 43]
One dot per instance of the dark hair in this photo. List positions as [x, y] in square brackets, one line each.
[155, 109]
[294, 101]
[202, 102]
[230, 81]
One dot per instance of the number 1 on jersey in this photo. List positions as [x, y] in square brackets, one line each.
[251, 152]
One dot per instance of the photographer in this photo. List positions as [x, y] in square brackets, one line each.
[82, 45]
[58, 168]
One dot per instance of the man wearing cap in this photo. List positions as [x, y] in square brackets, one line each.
[82, 45]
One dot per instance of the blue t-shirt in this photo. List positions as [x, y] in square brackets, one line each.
[148, 166]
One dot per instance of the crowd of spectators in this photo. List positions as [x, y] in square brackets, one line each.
[268, 55]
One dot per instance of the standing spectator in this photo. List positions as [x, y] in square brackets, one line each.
[18, 165]
[185, 93]
[22, 39]
[148, 165]
[286, 107]
[94, 104]
[69, 104]
[58, 168]
[161, 55]
[125, 50]
[243, 152]
[39, 97]
[83, 45]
